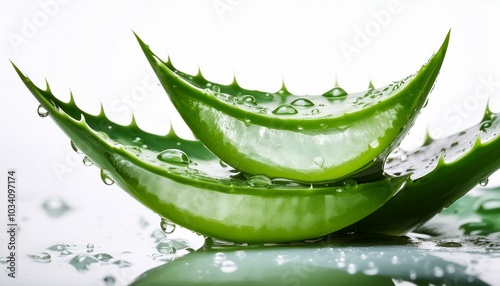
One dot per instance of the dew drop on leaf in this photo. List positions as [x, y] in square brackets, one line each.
[303, 102]
[350, 184]
[285, 109]
[87, 162]
[247, 122]
[484, 182]
[167, 226]
[216, 89]
[315, 111]
[219, 257]
[106, 177]
[73, 146]
[228, 266]
[336, 92]
[249, 99]
[259, 181]
[174, 156]
[42, 112]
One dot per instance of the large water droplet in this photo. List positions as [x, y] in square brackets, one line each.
[228, 266]
[285, 109]
[42, 257]
[303, 102]
[106, 177]
[259, 181]
[174, 156]
[490, 206]
[167, 226]
[319, 161]
[103, 257]
[42, 112]
[55, 207]
[336, 93]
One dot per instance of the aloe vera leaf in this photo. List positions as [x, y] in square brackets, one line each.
[310, 138]
[449, 168]
[202, 195]
[312, 264]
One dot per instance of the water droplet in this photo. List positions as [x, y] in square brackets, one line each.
[336, 92]
[73, 146]
[122, 263]
[395, 260]
[249, 100]
[485, 125]
[349, 184]
[319, 161]
[109, 280]
[55, 207]
[351, 268]
[223, 164]
[280, 259]
[58, 247]
[259, 181]
[303, 102]
[87, 162]
[42, 257]
[65, 252]
[403, 158]
[490, 206]
[42, 112]
[82, 261]
[166, 247]
[90, 247]
[106, 177]
[173, 156]
[438, 271]
[167, 226]
[215, 89]
[103, 257]
[300, 128]
[315, 111]
[484, 182]
[285, 109]
[241, 254]
[228, 266]
[449, 244]
[413, 274]
[219, 257]
[247, 122]
[374, 144]
[371, 270]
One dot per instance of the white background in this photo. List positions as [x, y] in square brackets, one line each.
[89, 47]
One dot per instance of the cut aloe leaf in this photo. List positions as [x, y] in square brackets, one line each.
[441, 172]
[305, 138]
[184, 183]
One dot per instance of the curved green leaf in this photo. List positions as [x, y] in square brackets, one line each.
[198, 193]
[305, 138]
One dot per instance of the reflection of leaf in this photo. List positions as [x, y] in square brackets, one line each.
[313, 264]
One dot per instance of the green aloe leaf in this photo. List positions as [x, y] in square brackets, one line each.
[305, 138]
[441, 172]
[184, 183]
